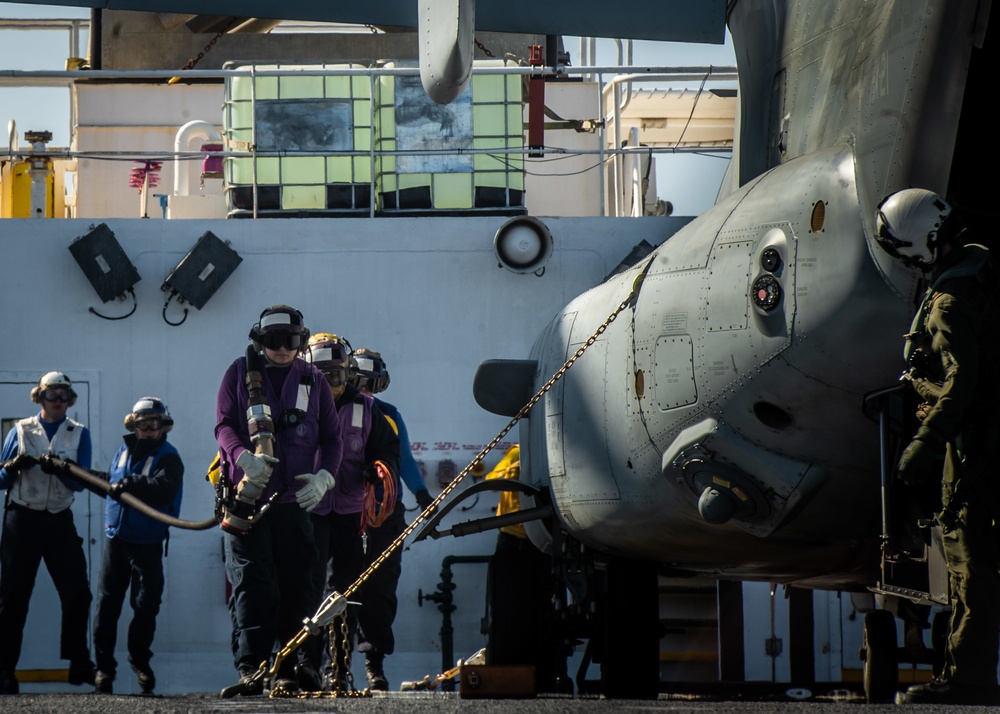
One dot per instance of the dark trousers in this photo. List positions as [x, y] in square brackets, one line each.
[378, 594]
[520, 602]
[971, 554]
[271, 570]
[125, 565]
[340, 562]
[28, 538]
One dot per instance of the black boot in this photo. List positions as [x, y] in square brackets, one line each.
[81, 671]
[147, 680]
[246, 687]
[309, 680]
[8, 683]
[104, 683]
[941, 691]
[374, 672]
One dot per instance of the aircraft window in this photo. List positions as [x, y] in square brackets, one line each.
[818, 218]
[766, 292]
[770, 260]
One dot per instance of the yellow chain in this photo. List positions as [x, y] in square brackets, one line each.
[496, 440]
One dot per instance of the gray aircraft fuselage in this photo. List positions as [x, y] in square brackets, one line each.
[761, 325]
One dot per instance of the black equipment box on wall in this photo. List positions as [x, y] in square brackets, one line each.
[202, 271]
[104, 263]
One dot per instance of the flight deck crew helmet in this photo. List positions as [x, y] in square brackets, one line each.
[149, 412]
[280, 326]
[58, 383]
[331, 355]
[913, 224]
[369, 371]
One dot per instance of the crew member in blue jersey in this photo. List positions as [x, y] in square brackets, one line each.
[38, 524]
[149, 468]
[378, 594]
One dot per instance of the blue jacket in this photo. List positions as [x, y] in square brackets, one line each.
[157, 476]
[409, 470]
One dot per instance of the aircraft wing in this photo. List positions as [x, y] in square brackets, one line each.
[674, 20]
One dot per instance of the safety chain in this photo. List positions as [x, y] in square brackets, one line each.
[192, 62]
[294, 643]
[483, 47]
[627, 302]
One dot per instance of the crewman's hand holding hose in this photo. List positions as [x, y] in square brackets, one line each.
[256, 467]
[55, 466]
[19, 463]
[120, 487]
[314, 486]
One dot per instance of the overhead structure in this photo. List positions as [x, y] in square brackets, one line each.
[671, 20]
[446, 28]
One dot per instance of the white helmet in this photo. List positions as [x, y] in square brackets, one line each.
[53, 380]
[909, 226]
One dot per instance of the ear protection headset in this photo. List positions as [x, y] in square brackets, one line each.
[53, 379]
[149, 407]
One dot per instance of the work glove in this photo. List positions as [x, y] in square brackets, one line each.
[21, 462]
[313, 488]
[49, 466]
[256, 468]
[371, 475]
[424, 499]
[120, 487]
[918, 462]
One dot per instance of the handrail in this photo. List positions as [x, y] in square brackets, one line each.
[255, 70]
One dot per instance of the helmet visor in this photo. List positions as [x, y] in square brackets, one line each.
[279, 340]
[148, 423]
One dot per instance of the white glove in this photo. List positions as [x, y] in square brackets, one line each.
[256, 468]
[313, 488]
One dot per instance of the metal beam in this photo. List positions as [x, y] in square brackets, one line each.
[674, 20]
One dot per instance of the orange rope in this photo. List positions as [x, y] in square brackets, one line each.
[374, 513]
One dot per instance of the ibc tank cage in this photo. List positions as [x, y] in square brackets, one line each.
[304, 132]
[452, 168]
[313, 141]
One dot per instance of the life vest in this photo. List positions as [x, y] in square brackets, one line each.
[33, 488]
[348, 493]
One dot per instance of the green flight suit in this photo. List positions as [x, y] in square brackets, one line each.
[960, 342]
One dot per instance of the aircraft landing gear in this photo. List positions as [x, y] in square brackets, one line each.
[880, 656]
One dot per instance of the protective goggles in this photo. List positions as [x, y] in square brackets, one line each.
[56, 395]
[149, 424]
[279, 340]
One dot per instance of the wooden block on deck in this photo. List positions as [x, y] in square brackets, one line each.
[498, 681]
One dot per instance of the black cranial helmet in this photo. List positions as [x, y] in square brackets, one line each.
[280, 326]
[368, 371]
[331, 354]
[151, 413]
